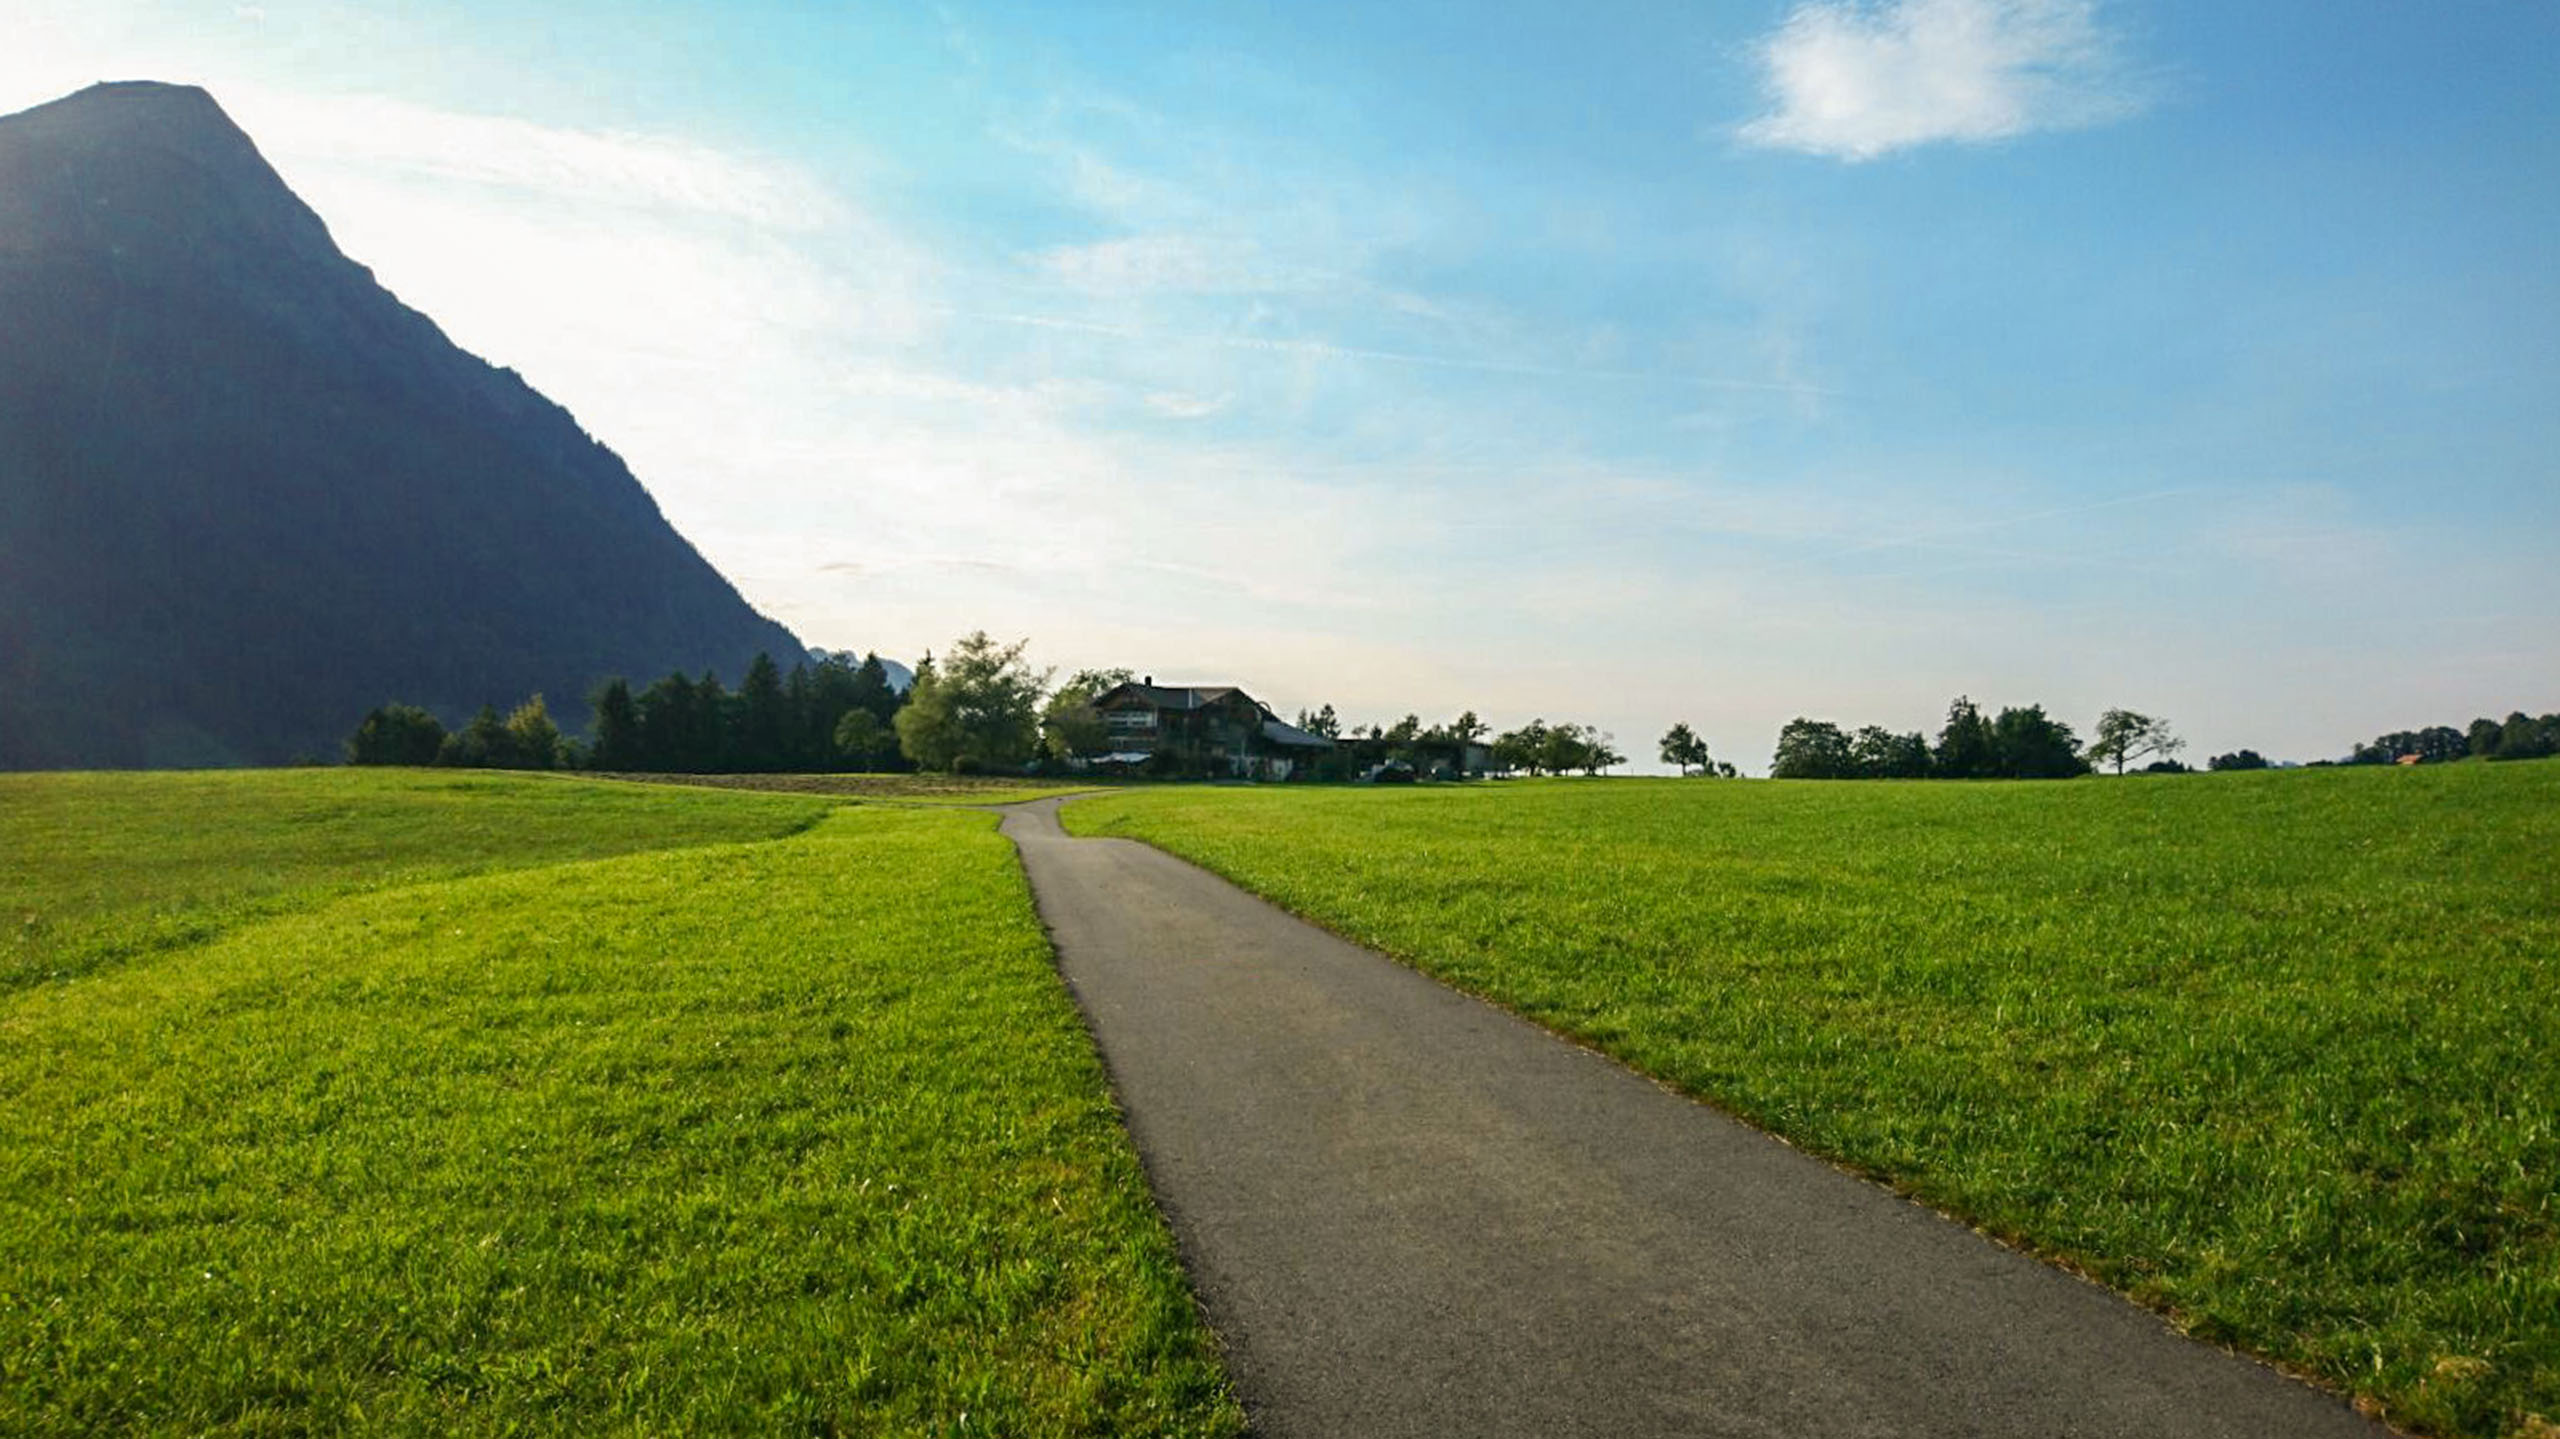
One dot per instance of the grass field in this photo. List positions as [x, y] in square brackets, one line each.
[778, 1122]
[100, 868]
[2273, 1052]
[886, 788]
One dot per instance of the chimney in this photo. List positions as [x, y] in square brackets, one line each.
[1149, 681]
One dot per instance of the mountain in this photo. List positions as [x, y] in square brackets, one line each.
[247, 495]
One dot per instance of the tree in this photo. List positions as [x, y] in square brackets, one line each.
[1070, 727]
[979, 711]
[805, 739]
[1684, 751]
[830, 699]
[2524, 737]
[617, 727]
[872, 691]
[1524, 748]
[2481, 742]
[533, 738]
[713, 724]
[2237, 760]
[2031, 744]
[1599, 752]
[485, 743]
[1966, 749]
[1568, 747]
[2125, 736]
[862, 739]
[760, 742]
[1879, 753]
[396, 734]
[1466, 729]
[667, 725]
[1812, 749]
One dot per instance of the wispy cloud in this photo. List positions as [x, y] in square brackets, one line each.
[1855, 81]
[1175, 264]
[1327, 350]
[1180, 406]
[388, 137]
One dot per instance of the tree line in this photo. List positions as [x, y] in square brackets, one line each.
[2020, 742]
[828, 716]
[2519, 736]
[976, 710]
[982, 708]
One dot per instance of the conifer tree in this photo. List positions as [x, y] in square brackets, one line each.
[760, 741]
[617, 727]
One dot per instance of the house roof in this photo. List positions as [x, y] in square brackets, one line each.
[1283, 733]
[1199, 697]
[1168, 697]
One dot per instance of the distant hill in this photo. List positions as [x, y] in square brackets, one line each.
[246, 494]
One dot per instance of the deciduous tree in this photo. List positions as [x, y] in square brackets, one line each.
[2125, 736]
[1812, 749]
[981, 710]
[1070, 727]
[861, 740]
[1684, 751]
[396, 734]
[532, 738]
[2033, 745]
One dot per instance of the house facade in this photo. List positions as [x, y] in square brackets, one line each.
[1211, 729]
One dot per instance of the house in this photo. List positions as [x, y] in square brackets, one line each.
[1213, 729]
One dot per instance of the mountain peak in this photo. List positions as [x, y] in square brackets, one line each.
[142, 166]
[118, 113]
[245, 494]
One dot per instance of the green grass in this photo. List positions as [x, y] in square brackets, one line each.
[793, 1136]
[96, 869]
[2275, 1052]
[885, 788]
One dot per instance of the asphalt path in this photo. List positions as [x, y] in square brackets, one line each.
[1407, 1212]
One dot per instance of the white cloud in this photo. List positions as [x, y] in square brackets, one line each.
[388, 137]
[1177, 405]
[1855, 80]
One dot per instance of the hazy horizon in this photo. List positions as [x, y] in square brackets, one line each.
[1621, 366]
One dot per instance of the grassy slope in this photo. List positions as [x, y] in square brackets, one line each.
[100, 868]
[2273, 1051]
[787, 1137]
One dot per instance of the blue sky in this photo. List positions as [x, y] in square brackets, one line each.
[1620, 364]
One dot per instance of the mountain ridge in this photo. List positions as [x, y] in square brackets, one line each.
[246, 493]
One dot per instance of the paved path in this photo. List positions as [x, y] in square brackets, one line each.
[1408, 1213]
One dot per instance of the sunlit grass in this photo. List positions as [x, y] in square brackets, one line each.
[798, 1136]
[2275, 1052]
[886, 788]
[99, 868]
